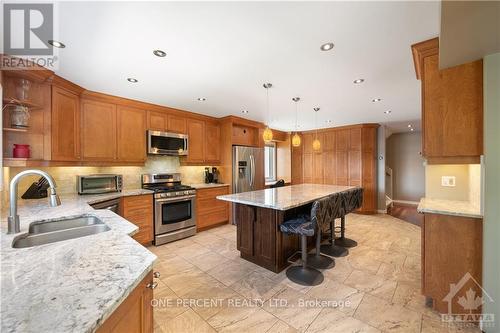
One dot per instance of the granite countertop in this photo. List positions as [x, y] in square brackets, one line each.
[209, 185]
[283, 198]
[72, 285]
[449, 207]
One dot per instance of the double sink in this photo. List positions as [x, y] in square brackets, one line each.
[45, 232]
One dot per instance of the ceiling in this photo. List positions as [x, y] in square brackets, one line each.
[225, 51]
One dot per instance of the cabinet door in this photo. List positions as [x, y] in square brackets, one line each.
[341, 167]
[318, 168]
[196, 137]
[265, 236]
[65, 130]
[138, 209]
[329, 141]
[342, 140]
[245, 219]
[307, 141]
[329, 168]
[308, 168]
[212, 143]
[131, 144]
[98, 131]
[297, 165]
[176, 124]
[157, 121]
[354, 167]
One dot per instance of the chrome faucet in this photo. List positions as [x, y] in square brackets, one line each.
[13, 219]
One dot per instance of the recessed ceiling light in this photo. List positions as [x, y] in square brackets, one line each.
[409, 125]
[202, 99]
[327, 46]
[132, 80]
[376, 100]
[411, 129]
[159, 53]
[244, 111]
[359, 81]
[329, 121]
[387, 112]
[57, 44]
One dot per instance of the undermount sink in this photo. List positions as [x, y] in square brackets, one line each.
[58, 230]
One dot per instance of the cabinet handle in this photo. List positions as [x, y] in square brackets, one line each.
[152, 285]
[156, 274]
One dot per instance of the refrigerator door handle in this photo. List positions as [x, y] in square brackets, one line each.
[252, 171]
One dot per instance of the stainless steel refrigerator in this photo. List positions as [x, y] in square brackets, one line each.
[248, 170]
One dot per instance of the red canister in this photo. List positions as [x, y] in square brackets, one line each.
[21, 151]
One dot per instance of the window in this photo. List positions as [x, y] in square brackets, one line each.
[270, 162]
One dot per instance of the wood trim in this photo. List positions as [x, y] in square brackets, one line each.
[60, 82]
[454, 160]
[242, 121]
[322, 130]
[40, 74]
[422, 50]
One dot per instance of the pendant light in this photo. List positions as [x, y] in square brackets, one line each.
[268, 134]
[296, 137]
[316, 143]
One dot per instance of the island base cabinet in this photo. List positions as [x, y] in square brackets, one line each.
[452, 262]
[259, 238]
[135, 314]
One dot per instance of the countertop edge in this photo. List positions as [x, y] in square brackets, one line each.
[426, 206]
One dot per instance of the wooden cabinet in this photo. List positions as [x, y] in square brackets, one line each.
[131, 134]
[318, 168]
[329, 168]
[297, 168]
[65, 125]
[138, 209]
[196, 137]
[98, 130]
[308, 165]
[177, 124]
[452, 107]
[245, 135]
[451, 249]
[212, 143]
[135, 313]
[211, 211]
[157, 121]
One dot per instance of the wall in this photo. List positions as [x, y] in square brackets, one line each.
[491, 224]
[381, 160]
[284, 160]
[65, 177]
[403, 157]
[433, 188]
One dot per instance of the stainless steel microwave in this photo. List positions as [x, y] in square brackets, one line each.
[100, 183]
[165, 143]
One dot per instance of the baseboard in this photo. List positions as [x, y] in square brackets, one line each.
[406, 202]
[382, 211]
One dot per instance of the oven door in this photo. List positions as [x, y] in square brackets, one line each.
[163, 143]
[174, 213]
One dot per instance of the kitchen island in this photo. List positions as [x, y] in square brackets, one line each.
[258, 215]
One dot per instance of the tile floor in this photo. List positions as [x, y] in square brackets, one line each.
[205, 286]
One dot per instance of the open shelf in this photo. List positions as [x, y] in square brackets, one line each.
[17, 130]
[14, 101]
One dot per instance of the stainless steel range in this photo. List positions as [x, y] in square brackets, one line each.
[174, 207]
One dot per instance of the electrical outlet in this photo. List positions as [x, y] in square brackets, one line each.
[448, 181]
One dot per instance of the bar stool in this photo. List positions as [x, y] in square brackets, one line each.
[321, 213]
[279, 183]
[303, 275]
[336, 211]
[353, 199]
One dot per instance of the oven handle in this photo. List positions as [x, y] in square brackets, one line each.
[183, 198]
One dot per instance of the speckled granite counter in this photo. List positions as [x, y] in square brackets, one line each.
[71, 285]
[449, 207]
[283, 198]
[210, 185]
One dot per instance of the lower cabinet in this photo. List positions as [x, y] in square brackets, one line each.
[451, 261]
[138, 209]
[135, 314]
[211, 211]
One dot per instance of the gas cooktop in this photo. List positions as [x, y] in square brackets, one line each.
[166, 185]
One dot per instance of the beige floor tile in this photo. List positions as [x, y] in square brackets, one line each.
[335, 321]
[203, 238]
[172, 267]
[293, 310]
[187, 322]
[372, 284]
[230, 272]
[281, 327]
[337, 294]
[188, 280]
[257, 286]
[234, 319]
[166, 306]
[435, 325]
[191, 251]
[386, 316]
[409, 295]
[208, 260]
[340, 272]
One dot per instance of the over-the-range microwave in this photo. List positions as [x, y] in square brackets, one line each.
[166, 143]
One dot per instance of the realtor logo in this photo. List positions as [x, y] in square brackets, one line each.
[27, 28]
[471, 302]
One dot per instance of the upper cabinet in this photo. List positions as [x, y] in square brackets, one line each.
[212, 143]
[196, 137]
[452, 107]
[98, 130]
[176, 124]
[157, 121]
[131, 134]
[65, 124]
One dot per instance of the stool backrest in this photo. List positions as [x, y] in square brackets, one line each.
[353, 199]
[279, 183]
[325, 210]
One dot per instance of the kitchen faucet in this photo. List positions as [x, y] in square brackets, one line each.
[13, 220]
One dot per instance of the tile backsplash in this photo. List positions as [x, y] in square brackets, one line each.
[65, 177]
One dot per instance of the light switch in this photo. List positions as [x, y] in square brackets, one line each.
[448, 181]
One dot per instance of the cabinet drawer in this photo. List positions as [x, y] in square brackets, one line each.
[215, 217]
[210, 204]
[212, 192]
